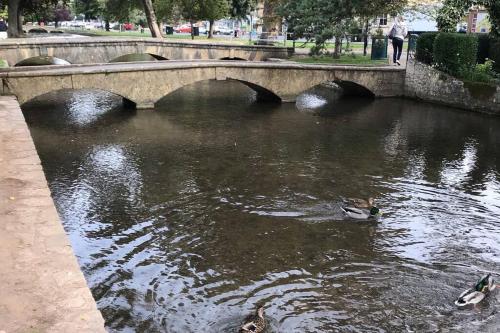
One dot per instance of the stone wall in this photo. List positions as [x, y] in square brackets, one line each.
[103, 50]
[426, 83]
[41, 286]
[133, 81]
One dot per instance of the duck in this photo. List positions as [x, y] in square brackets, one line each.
[360, 209]
[361, 213]
[360, 203]
[254, 323]
[474, 295]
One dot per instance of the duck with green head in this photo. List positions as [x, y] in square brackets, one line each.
[360, 209]
[476, 294]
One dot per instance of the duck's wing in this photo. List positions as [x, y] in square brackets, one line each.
[469, 296]
[352, 210]
[249, 327]
[360, 203]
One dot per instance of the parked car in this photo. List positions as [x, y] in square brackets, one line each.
[128, 26]
[183, 29]
[223, 31]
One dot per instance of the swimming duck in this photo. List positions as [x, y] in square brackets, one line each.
[254, 323]
[360, 213]
[360, 203]
[476, 294]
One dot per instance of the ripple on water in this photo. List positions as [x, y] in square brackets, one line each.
[186, 218]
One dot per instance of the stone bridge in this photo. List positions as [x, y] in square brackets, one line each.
[145, 83]
[103, 50]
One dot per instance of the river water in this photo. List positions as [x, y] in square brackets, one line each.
[185, 218]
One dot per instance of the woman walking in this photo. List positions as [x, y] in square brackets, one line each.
[398, 32]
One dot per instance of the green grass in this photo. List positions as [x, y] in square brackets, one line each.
[3, 63]
[343, 60]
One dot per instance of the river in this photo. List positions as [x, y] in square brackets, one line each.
[187, 217]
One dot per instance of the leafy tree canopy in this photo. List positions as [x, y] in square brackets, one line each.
[454, 10]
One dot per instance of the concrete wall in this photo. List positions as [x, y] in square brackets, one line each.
[103, 50]
[426, 83]
[146, 83]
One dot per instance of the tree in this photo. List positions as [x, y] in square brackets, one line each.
[241, 8]
[212, 10]
[453, 10]
[91, 9]
[14, 8]
[151, 18]
[321, 20]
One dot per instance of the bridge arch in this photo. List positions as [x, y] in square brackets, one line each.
[132, 57]
[233, 59]
[263, 94]
[42, 61]
[127, 103]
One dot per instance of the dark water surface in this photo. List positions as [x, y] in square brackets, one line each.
[186, 217]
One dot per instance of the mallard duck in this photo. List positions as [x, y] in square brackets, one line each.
[361, 213]
[476, 294]
[359, 203]
[254, 323]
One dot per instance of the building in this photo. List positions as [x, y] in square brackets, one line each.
[478, 21]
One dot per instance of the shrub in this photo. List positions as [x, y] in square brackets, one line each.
[480, 73]
[483, 49]
[454, 52]
[425, 47]
[495, 53]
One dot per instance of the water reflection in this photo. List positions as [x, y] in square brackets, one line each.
[185, 218]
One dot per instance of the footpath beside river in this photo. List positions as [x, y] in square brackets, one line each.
[42, 288]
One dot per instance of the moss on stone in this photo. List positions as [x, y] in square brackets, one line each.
[480, 90]
[3, 63]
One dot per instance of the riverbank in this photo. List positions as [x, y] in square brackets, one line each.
[426, 83]
[43, 289]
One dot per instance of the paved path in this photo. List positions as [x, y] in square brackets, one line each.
[42, 288]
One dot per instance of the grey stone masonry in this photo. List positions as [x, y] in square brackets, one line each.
[101, 50]
[42, 288]
[428, 84]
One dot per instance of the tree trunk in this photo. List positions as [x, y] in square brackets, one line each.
[56, 24]
[338, 44]
[106, 24]
[14, 15]
[365, 37]
[271, 22]
[151, 18]
[20, 21]
[211, 29]
[192, 30]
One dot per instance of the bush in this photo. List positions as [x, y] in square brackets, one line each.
[483, 49]
[495, 53]
[480, 73]
[425, 47]
[454, 52]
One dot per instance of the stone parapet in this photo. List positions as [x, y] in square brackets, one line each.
[42, 288]
[103, 50]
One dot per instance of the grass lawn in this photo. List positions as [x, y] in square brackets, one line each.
[343, 60]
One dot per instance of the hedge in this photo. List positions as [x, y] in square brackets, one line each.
[495, 53]
[425, 47]
[454, 52]
[483, 49]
